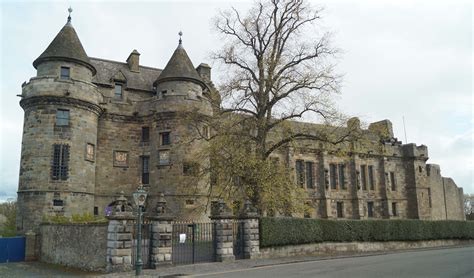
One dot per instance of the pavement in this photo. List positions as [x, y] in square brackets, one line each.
[283, 267]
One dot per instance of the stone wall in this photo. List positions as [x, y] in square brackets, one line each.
[350, 248]
[81, 246]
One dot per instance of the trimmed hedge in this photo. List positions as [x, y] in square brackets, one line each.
[293, 231]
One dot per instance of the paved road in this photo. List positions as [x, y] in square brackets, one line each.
[456, 262]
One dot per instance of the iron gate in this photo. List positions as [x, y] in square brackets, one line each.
[238, 238]
[193, 243]
[146, 245]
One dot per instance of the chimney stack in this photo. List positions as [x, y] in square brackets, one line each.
[133, 61]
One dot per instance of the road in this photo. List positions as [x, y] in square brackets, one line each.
[455, 262]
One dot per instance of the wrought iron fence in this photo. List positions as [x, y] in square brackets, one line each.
[193, 242]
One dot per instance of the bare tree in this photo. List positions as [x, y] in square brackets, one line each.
[278, 67]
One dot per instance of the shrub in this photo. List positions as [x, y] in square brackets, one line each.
[292, 231]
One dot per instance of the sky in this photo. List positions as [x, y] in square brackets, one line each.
[400, 59]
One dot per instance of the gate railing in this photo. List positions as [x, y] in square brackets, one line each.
[193, 242]
[146, 244]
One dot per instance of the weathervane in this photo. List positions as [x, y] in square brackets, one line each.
[69, 17]
[180, 35]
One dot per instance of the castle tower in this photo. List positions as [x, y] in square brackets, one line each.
[181, 88]
[61, 104]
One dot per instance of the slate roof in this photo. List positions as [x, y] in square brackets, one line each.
[66, 46]
[180, 67]
[107, 70]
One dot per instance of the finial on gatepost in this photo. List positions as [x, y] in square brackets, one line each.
[69, 17]
[180, 35]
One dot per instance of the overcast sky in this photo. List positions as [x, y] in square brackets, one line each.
[401, 58]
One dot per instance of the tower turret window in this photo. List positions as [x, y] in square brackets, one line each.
[65, 73]
[62, 117]
[60, 169]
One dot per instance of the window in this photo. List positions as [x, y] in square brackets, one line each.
[65, 72]
[145, 170]
[299, 173]
[340, 209]
[118, 91]
[58, 203]
[165, 138]
[333, 175]
[371, 177]
[59, 170]
[392, 181]
[164, 157]
[62, 117]
[96, 211]
[205, 132]
[189, 202]
[363, 176]
[309, 174]
[370, 209]
[145, 134]
[190, 169]
[342, 178]
[394, 209]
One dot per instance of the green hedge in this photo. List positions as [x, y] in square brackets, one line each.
[292, 231]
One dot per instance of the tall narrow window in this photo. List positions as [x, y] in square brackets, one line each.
[340, 209]
[65, 73]
[62, 117]
[165, 138]
[392, 181]
[299, 172]
[394, 209]
[370, 209]
[118, 91]
[145, 134]
[309, 174]
[145, 170]
[363, 176]
[342, 178]
[333, 175]
[371, 177]
[59, 170]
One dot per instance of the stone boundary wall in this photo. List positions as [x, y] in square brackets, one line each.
[349, 248]
[81, 246]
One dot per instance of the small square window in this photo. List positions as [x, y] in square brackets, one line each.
[62, 117]
[118, 91]
[165, 138]
[65, 73]
[57, 203]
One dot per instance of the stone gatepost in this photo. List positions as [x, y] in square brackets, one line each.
[162, 228]
[250, 219]
[119, 237]
[31, 246]
[222, 217]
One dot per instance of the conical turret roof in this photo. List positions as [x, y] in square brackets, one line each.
[66, 46]
[180, 67]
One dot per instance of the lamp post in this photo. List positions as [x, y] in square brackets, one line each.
[139, 197]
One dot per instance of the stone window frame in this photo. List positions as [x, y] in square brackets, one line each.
[115, 164]
[64, 77]
[160, 138]
[86, 155]
[60, 162]
[59, 119]
[122, 90]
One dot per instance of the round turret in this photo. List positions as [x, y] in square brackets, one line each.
[61, 104]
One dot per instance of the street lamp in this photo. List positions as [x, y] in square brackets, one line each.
[139, 197]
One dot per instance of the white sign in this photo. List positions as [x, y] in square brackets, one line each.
[182, 238]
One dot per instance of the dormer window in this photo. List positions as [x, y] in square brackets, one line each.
[118, 91]
[65, 73]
